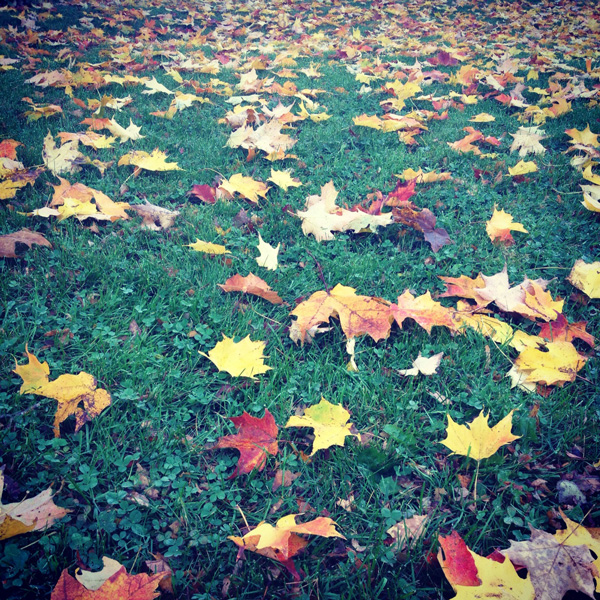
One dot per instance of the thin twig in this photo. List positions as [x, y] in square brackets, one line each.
[243, 515]
[320, 271]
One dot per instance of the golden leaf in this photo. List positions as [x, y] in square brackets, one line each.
[239, 359]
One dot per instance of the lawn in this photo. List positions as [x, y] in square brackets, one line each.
[371, 143]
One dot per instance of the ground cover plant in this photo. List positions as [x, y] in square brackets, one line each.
[300, 299]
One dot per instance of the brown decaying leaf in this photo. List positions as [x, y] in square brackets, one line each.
[15, 244]
[251, 284]
[155, 218]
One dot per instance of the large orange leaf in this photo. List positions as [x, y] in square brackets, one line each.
[424, 310]
[108, 584]
[358, 315]
[255, 438]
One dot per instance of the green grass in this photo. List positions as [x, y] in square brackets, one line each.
[170, 405]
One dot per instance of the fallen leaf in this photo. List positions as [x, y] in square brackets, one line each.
[155, 218]
[155, 161]
[251, 284]
[268, 255]
[254, 439]
[527, 139]
[239, 359]
[424, 310]
[282, 542]
[63, 159]
[283, 479]
[556, 364]
[113, 584]
[423, 365]
[585, 137]
[586, 277]
[284, 180]
[408, 529]
[15, 244]
[29, 514]
[245, 186]
[522, 168]
[477, 440]
[330, 424]
[500, 225]
[554, 567]
[208, 247]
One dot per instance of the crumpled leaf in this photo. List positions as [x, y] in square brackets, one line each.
[239, 359]
[132, 132]
[117, 585]
[477, 440]
[251, 284]
[268, 255]
[424, 310]
[322, 216]
[591, 197]
[522, 168]
[554, 567]
[155, 218]
[527, 139]
[330, 424]
[420, 177]
[20, 240]
[29, 514]
[409, 529]
[586, 277]
[63, 159]
[282, 542]
[358, 315]
[208, 247]
[255, 438]
[500, 225]
[423, 365]
[68, 390]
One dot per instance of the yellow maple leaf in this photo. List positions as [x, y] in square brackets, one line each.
[432, 176]
[61, 159]
[284, 180]
[477, 440]
[239, 359]
[500, 225]
[68, 390]
[156, 161]
[374, 122]
[330, 424]
[208, 247]
[556, 364]
[423, 365]
[482, 118]
[124, 134]
[527, 139]
[590, 175]
[245, 186]
[268, 255]
[497, 330]
[586, 277]
[585, 137]
[522, 168]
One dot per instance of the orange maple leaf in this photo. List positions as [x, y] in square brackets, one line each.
[251, 284]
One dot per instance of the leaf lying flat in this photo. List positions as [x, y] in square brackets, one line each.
[358, 315]
[241, 359]
[251, 284]
[21, 240]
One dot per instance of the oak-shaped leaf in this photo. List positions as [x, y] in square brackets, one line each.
[240, 359]
[282, 542]
[68, 390]
[554, 567]
[477, 439]
[329, 422]
[112, 582]
[251, 284]
[29, 514]
[254, 439]
[13, 245]
[358, 315]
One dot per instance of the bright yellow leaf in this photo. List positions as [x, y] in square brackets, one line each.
[586, 277]
[500, 225]
[245, 186]
[239, 359]
[522, 168]
[208, 247]
[268, 255]
[284, 180]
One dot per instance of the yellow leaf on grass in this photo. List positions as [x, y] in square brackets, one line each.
[156, 161]
[61, 159]
[124, 134]
[68, 390]
[500, 225]
[586, 277]
[421, 364]
[482, 118]
[330, 424]
[591, 197]
[585, 137]
[477, 440]
[241, 359]
[432, 176]
[284, 180]
[268, 255]
[245, 186]
[208, 247]
[522, 168]
[590, 176]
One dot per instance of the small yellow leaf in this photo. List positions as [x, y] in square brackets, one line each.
[284, 180]
[477, 440]
[585, 137]
[591, 197]
[241, 359]
[268, 255]
[522, 168]
[245, 186]
[482, 118]
[208, 247]
[421, 364]
[34, 374]
[330, 424]
[500, 225]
